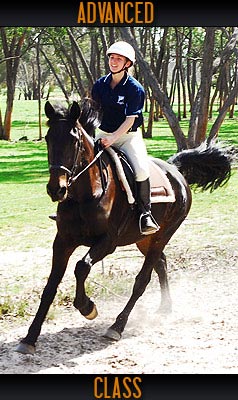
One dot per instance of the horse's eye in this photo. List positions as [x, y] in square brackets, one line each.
[74, 132]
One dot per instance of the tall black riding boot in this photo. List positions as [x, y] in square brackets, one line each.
[147, 223]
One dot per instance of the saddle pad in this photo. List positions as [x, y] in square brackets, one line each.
[161, 189]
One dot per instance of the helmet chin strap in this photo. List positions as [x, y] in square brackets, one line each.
[118, 72]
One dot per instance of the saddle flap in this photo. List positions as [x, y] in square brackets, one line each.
[161, 189]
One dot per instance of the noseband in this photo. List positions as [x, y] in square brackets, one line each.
[77, 132]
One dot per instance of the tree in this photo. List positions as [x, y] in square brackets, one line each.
[12, 43]
[199, 112]
[200, 105]
[181, 68]
[158, 93]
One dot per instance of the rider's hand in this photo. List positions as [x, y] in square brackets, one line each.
[108, 141]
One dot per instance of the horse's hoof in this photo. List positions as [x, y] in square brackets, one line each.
[93, 314]
[112, 335]
[25, 348]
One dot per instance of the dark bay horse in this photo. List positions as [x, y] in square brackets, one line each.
[93, 210]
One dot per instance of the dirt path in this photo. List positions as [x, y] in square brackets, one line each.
[199, 336]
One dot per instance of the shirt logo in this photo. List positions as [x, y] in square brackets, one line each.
[120, 100]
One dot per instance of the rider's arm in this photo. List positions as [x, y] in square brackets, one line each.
[123, 128]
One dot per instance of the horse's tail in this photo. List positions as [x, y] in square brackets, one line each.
[207, 166]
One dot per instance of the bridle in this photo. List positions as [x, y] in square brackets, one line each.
[77, 132]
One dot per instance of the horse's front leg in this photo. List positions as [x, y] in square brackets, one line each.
[61, 254]
[96, 253]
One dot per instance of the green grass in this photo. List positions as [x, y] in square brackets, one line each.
[25, 206]
[163, 144]
[214, 216]
[25, 119]
[23, 162]
[25, 123]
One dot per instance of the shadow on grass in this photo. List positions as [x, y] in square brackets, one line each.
[27, 162]
[23, 162]
[21, 124]
[31, 171]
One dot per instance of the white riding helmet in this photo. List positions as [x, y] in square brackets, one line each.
[123, 49]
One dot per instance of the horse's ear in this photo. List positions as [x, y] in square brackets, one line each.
[74, 111]
[49, 110]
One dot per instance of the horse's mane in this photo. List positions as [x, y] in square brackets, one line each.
[89, 114]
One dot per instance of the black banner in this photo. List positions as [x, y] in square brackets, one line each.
[121, 387]
[122, 13]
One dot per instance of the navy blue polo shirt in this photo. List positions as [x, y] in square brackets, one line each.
[126, 99]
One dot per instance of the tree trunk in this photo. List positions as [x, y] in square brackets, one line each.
[82, 59]
[104, 47]
[1, 126]
[157, 92]
[8, 119]
[55, 75]
[199, 114]
[229, 101]
[72, 69]
[12, 55]
[148, 131]
[39, 86]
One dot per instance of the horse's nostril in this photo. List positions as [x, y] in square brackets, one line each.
[56, 194]
[61, 192]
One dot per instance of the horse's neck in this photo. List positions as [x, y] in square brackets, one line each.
[87, 139]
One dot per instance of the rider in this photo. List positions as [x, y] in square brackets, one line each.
[121, 98]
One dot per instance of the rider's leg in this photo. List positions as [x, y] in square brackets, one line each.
[134, 147]
[147, 223]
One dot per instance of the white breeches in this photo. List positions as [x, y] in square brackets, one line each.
[133, 145]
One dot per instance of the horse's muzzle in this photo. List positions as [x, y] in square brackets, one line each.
[58, 193]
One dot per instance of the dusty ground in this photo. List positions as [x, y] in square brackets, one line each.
[199, 336]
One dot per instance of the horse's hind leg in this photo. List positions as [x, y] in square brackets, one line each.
[161, 270]
[141, 282]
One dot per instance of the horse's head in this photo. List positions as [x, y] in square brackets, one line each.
[64, 142]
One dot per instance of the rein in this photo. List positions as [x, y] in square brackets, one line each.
[71, 179]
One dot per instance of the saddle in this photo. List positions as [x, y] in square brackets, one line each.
[161, 189]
